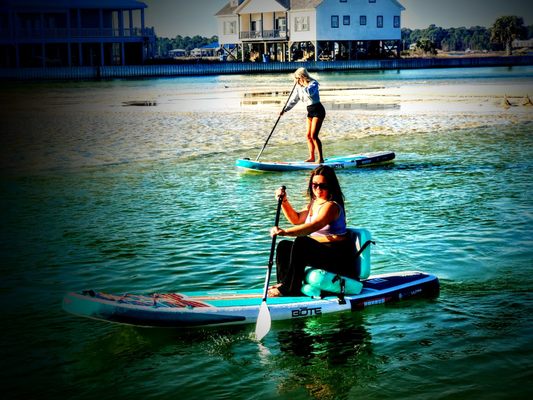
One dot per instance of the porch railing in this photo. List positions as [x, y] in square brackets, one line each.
[265, 34]
[63, 33]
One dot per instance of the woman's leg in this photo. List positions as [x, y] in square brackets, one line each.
[283, 259]
[293, 257]
[310, 141]
[314, 125]
[304, 252]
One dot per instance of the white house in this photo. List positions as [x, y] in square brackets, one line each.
[209, 50]
[310, 29]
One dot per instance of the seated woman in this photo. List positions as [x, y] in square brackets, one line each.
[321, 237]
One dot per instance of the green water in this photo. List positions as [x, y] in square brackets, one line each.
[96, 195]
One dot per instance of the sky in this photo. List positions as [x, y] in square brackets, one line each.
[197, 17]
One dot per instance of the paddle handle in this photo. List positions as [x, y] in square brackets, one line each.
[279, 116]
[273, 245]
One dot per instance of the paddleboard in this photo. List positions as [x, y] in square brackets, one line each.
[350, 161]
[220, 308]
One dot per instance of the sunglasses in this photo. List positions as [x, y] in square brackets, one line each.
[322, 186]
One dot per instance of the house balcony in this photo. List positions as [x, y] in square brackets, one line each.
[64, 33]
[264, 35]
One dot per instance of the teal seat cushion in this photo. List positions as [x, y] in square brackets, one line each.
[318, 280]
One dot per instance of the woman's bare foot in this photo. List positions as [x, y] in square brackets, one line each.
[274, 292]
[310, 160]
[277, 285]
[321, 161]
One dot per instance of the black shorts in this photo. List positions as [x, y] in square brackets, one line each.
[316, 111]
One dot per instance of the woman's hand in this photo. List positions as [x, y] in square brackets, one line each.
[281, 194]
[302, 82]
[277, 231]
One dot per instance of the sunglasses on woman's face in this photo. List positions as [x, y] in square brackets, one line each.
[321, 186]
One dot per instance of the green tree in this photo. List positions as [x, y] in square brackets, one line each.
[529, 30]
[436, 34]
[506, 29]
[427, 46]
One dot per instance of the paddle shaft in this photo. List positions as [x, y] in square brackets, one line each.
[272, 247]
[279, 116]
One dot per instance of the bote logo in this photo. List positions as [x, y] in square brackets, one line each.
[306, 312]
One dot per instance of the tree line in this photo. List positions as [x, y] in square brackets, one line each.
[497, 37]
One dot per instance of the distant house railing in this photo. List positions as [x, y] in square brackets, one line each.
[63, 33]
[265, 34]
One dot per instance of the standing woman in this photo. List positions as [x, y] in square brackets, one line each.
[307, 92]
[322, 240]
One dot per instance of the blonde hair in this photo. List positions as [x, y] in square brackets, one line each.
[301, 73]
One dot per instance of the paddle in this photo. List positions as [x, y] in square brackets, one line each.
[263, 319]
[279, 116]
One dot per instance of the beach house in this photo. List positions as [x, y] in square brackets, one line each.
[293, 30]
[41, 33]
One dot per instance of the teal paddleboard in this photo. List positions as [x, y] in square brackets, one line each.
[220, 308]
[349, 161]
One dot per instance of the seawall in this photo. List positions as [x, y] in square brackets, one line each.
[150, 71]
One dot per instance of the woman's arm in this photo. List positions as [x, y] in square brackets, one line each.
[295, 98]
[312, 91]
[293, 216]
[327, 214]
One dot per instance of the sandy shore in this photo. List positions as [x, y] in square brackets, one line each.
[72, 127]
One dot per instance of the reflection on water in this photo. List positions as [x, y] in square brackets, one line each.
[140, 103]
[261, 102]
[329, 105]
[325, 356]
[333, 98]
[361, 106]
[274, 93]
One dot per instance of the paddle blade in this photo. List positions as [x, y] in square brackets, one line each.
[262, 326]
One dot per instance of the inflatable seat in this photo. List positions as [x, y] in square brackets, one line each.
[317, 280]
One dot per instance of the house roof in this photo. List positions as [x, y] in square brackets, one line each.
[305, 4]
[398, 4]
[228, 9]
[283, 3]
[309, 4]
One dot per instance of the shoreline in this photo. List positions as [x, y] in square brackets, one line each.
[225, 68]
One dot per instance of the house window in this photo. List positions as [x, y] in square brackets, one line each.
[281, 24]
[396, 21]
[301, 24]
[230, 27]
[371, 1]
[379, 21]
[343, 1]
[346, 20]
[362, 20]
[334, 21]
